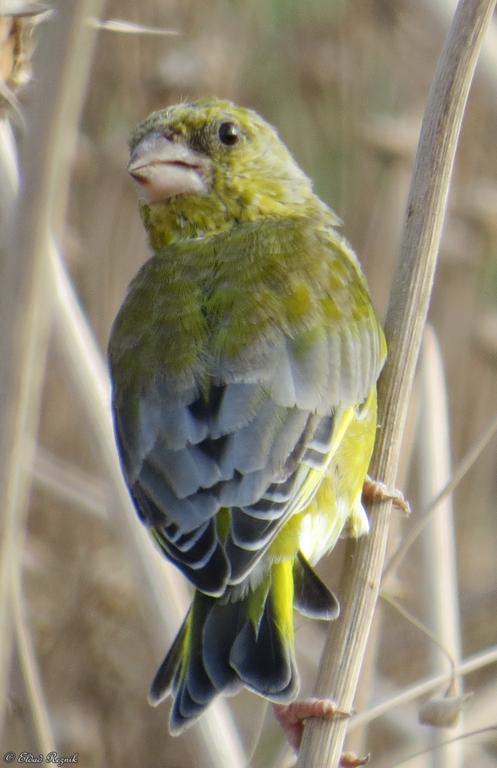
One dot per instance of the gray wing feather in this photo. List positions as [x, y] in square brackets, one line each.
[267, 419]
[243, 490]
[179, 427]
[187, 513]
[249, 448]
[239, 406]
[185, 470]
[298, 377]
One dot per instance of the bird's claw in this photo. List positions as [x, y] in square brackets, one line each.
[375, 490]
[351, 760]
[291, 717]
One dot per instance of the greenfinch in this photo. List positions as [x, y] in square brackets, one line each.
[244, 362]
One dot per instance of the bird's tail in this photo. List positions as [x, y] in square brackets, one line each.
[242, 639]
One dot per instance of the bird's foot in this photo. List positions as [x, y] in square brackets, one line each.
[374, 490]
[351, 760]
[291, 717]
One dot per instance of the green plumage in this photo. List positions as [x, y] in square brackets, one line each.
[244, 361]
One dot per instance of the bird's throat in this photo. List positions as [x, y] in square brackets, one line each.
[184, 217]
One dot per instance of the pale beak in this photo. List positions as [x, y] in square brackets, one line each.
[163, 168]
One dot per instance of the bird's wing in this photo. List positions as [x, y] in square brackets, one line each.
[216, 473]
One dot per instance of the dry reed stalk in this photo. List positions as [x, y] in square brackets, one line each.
[51, 126]
[369, 674]
[439, 589]
[42, 734]
[444, 11]
[9, 187]
[341, 663]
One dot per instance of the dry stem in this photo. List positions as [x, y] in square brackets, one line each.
[23, 296]
[344, 651]
[439, 582]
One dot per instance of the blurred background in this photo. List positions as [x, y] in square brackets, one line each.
[345, 83]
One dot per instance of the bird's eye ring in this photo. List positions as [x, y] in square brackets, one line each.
[229, 134]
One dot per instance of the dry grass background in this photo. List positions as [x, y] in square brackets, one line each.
[346, 84]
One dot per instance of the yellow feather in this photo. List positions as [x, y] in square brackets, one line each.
[282, 597]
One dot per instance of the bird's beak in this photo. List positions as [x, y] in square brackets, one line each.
[163, 168]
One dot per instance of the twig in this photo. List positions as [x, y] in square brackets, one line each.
[423, 687]
[124, 27]
[344, 650]
[459, 473]
[408, 616]
[489, 730]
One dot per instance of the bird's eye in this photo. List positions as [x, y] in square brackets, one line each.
[229, 134]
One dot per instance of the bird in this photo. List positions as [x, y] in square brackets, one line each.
[243, 362]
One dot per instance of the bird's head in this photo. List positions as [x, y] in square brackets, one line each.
[205, 166]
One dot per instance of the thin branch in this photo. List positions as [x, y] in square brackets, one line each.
[124, 27]
[45, 741]
[344, 650]
[489, 730]
[423, 687]
[423, 518]
[408, 616]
